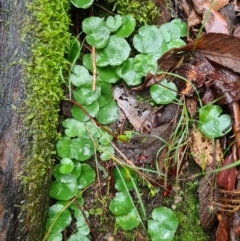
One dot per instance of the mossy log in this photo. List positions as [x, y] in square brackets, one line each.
[33, 39]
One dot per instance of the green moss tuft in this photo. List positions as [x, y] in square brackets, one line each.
[144, 11]
[187, 213]
[48, 31]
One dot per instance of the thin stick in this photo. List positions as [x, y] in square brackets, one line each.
[95, 121]
[94, 69]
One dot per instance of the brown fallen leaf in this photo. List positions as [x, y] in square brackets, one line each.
[131, 109]
[217, 47]
[226, 179]
[213, 21]
[202, 150]
[219, 82]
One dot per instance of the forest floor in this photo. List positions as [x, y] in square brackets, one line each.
[204, 200]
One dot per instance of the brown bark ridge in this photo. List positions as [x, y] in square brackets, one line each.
[11, 142]
[24, 187]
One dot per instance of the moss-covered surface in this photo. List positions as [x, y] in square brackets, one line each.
[187, 213]
[144, 11]
[47, 31]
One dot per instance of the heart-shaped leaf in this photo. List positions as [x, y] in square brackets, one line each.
[127, 72]
[82, 3]
[148, 40]
[107, 74]
[128, 26]
[59, 218]
[79, 75]
[87, 177]
[63, 147]
[97, 31]
[82, 148]
[108, 114]
[163, 93]
[115, 53]
[85, 95]
[63, 191]
[146, 63]
[211, 123]
[66, 166]
[114, 23]
[67, 178]
[91, 109]
[121, 204]
[128, 221]
[73, 127]
[163, 225]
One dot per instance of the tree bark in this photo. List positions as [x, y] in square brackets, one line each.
[12, 143]
[23, 204]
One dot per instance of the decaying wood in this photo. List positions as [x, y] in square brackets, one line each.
[14, 224]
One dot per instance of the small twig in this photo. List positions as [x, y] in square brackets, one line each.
[94, 69]
[95, 121]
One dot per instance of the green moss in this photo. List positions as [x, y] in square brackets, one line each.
[187, 213]
[144, 11]
[47, 30]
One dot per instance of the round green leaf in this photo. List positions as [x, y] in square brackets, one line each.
[121, 204]
[108, 114]
[128, 221]
[163, 225]
[97, 31]
[87, 177]
[73, 127]
[181, 25]
[63, 191]
[107, 74]
[79, 75]
[79, 115]
[92, 24]
[63, 147]
[67, 178]
[85, 95]
[66, 166]
[163, 93]
[128, 26]
[115, 53]
[148, 40]
[211, 123]
[98, 39]
[146, 63]
[82, 3]
[127, 72]
[122, 178]
[176, 43]
[82, 149]
[59, 222]
[114, 23]
[106, 94]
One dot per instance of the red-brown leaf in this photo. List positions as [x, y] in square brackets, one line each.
[220, 48]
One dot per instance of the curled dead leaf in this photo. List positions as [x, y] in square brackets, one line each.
[202, 150]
